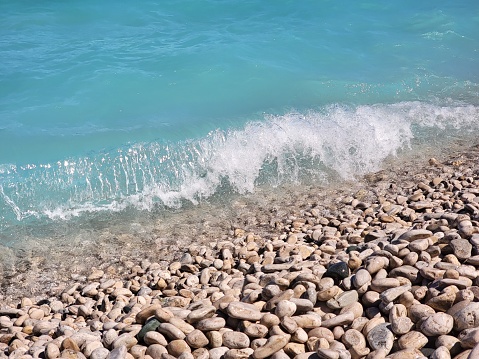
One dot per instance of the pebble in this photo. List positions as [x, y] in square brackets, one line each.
[285, 308]
[468, 317]
[243, 311]
[235, 340]
[381, 338]
[272, 345]
[390, 274]
[196, 339]
[437, 324]
[177, 347]
[209, 324]
[338, 271]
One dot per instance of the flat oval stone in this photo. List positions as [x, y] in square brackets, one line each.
[235, 340]
[285, 308]
[52, 351]
[467, 317]
[177, 347]
[462, 248]
[209, 324]
[361, 278]
[353, 338]
[256, 330]
[343, 300]
[413, 339]
[182, 325]
[381, 284]
[302, 305]
[201, 313]
[380, 337]
[420, 311]
[154, 337]
[437, 324]
[239, 353]
[126, 340]
[391, 294]
[196, 339]
[244, 311]
[415, 234]
[308, 321]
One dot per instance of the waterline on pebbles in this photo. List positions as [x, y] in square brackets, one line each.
[389, 271]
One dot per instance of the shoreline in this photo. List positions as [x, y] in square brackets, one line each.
[303, 229]
[48, 264]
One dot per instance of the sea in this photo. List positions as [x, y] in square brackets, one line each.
[125, 113]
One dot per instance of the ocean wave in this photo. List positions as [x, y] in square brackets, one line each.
[336, 140]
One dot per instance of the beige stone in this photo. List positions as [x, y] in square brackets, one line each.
[244, 311]
[256, 330]
[196, 339]
[177, 347]
[235, 340]
[201, 313]
[273, 344]
[209, 324]
[467, 317]
[413, 339]
[153, 337]
[52, 351]
[341, 319]
[244, 353]
[308, 321]
[441, 353]
[285, 308]
[437, 324]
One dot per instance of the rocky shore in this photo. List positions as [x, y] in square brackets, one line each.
[388, 271]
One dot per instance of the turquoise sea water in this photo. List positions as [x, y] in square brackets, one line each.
[107, 107]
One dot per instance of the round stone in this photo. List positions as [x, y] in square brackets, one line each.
[437, 324]
[235, 340]
[177, 347]
[380, 337]
[196, 339]
[337, 271]
[285, 308]
[467, 317]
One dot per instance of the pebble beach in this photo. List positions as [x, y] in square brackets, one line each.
[236, 180]
[387, 267]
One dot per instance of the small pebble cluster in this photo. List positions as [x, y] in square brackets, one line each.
[396, 277]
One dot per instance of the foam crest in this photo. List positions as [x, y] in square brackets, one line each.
[337, 140]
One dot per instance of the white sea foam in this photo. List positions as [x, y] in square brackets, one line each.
[345, 140]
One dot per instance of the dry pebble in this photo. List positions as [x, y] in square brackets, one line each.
[391, 273]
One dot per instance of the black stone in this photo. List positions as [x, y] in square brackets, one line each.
[427, 352]
[337, 271]
[352, 248]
